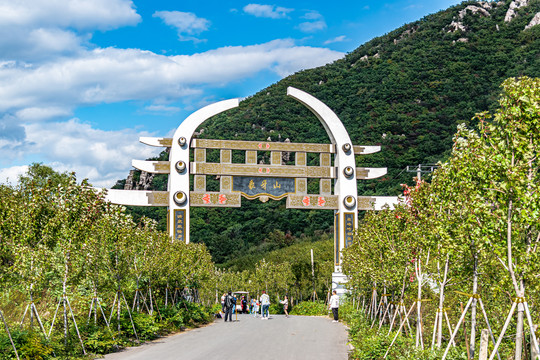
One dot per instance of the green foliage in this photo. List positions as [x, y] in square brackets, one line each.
[371, 343]
[276, 308]
[59, 238]
[30, 345]
[310, 308]
[479, 216]
[99, 341]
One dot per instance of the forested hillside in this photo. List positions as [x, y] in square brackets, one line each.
[406, 91]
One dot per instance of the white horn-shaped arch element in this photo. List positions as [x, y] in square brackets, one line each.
[345, 186]
[179, 180]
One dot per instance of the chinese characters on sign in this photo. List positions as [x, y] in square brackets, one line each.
[179, 225]
[255, 186]
[349, 228]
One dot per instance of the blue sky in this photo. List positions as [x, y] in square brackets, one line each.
[81, 81]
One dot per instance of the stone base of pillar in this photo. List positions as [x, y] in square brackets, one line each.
[339, 282]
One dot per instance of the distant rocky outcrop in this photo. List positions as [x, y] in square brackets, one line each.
[535, 21]
[512, 9]
[144, 183]
[482, 10]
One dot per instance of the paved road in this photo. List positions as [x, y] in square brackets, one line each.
[296, 337]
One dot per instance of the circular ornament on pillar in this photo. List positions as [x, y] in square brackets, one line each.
[348, 171]
[180, 198]
[182, 141]
[346, 147]
[180, 166]
[349, 202]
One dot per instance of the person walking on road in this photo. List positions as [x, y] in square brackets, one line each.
[256, 307]
[265, 302]
[229, 305]
[223, 303]
[334, 305]
[285, 303]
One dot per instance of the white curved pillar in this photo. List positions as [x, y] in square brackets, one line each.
[345, 186]
[179, 180]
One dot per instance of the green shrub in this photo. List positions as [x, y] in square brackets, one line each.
[29, 344]
[310, 308]
[216, 308]
[99, 341]
[276, 308]
[370, 343]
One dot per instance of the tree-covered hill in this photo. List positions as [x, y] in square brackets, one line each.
[406, 91]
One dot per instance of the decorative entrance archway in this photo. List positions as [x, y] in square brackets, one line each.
[263, 181]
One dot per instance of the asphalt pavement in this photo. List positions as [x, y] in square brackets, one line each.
[294, 338]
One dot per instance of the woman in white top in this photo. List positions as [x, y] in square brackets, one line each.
[334, 305]
[285, 303]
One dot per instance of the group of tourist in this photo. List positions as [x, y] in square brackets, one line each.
[228, 305]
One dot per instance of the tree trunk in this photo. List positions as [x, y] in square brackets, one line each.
[419, 275]
[473, 307]
[440, 311]
[520, 291]
[118, 310]
[150, 294]
[519, 331]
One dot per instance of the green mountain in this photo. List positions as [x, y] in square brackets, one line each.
[406, 91]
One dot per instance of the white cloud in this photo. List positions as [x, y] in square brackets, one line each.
[113, 75]
[42, 113]
[267, 11]
[102, 156]
[340, 38]
[78, 14]
[316, 22]
[37, 30]
[185, 23]
[312, 26]
[11, 175]
[312, 15]
[163, 109]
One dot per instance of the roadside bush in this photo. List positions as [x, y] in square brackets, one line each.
[30, 345]
[194, 314]
[99, 341]
[310, 308]
[276, 308]
[216, 308]
[370, 343]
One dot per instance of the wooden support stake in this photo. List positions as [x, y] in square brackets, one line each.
[112, 308]
[503, 331]
[457, 328]
[9, 334]
[130, 318]
[532, 327]
[397, 333]
[487, 322]
[54, 317]
[33, 306]
[435, 329]
[465, 334]
[534, 351]
[449, 327]
[394, 319]
[76, 327]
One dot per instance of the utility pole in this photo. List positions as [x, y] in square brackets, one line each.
[419, 169]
